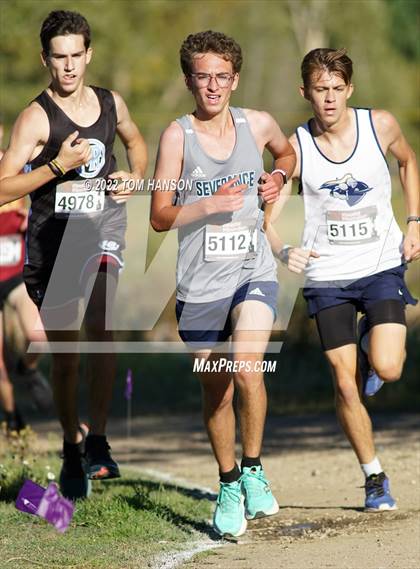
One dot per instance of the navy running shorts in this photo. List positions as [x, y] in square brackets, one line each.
[206, 324]
[53, 286]
[362, 293]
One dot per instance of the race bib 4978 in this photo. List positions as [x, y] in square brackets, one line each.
[76, 198]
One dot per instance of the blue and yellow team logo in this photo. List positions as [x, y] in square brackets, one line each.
[97, 161]
[347, 188]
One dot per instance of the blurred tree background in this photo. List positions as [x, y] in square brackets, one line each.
[136, 45]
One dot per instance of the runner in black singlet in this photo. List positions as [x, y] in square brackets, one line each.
[64, 139]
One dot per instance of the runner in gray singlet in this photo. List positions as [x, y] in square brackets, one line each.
[226, 275]
[199, 280]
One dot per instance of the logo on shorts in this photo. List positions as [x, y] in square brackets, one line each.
[400, 292]
[96, 163]
[347, 188]
[257, 291]
[109, 245]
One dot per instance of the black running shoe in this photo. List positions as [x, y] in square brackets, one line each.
[14, 422]
[99, 463]
[38, 386]
[74, 483]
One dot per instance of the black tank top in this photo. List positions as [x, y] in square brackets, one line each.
[45, 231]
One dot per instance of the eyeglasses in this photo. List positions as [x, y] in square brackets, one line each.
[203, 79]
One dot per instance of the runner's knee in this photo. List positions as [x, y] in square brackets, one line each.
[343, 364]
[346, 391]
[248, 380]
[390, 372]
[95, 320]
[36, 336]
[4, 377]
[65, 366]
[218, 397]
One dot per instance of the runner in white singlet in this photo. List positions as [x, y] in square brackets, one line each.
[353, 253]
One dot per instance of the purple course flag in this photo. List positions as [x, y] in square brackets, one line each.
[128, 392]
[29, 497]
[57, 510]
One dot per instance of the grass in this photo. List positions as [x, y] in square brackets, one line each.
[126, 523]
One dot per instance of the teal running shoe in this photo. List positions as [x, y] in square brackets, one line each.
[259, 500]
[229, 516]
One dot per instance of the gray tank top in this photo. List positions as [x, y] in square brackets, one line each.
[219, 254]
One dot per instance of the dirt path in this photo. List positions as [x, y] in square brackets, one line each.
[317, 481]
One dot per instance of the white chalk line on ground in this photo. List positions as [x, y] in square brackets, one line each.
[177, 558]
[173, 560]
[166, 477]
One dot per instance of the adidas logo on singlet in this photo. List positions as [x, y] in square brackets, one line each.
[197, 173]
[257, 291]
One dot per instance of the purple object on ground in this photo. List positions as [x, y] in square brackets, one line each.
[128, 385]
[57, 510]
[29, 497]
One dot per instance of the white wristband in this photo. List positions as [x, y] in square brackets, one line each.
[282, 172]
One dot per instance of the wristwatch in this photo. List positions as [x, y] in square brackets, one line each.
[415, 218]
[283, 254]
[282, 172]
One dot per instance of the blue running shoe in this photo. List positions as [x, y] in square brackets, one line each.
[229, 516]
[378, 497]
[259, 500]
[372, 383]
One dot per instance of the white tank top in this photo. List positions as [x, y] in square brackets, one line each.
[348, 213]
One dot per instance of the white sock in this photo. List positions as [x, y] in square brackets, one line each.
[373, 467]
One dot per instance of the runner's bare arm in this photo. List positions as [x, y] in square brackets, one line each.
[268, 134]
[272, 211]
[279, 146]
[164, 214]
[295, 257]
[29, 135]
[296, 147]
[29, 131]
[131, 138]
[391, 138]
[136, 151]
